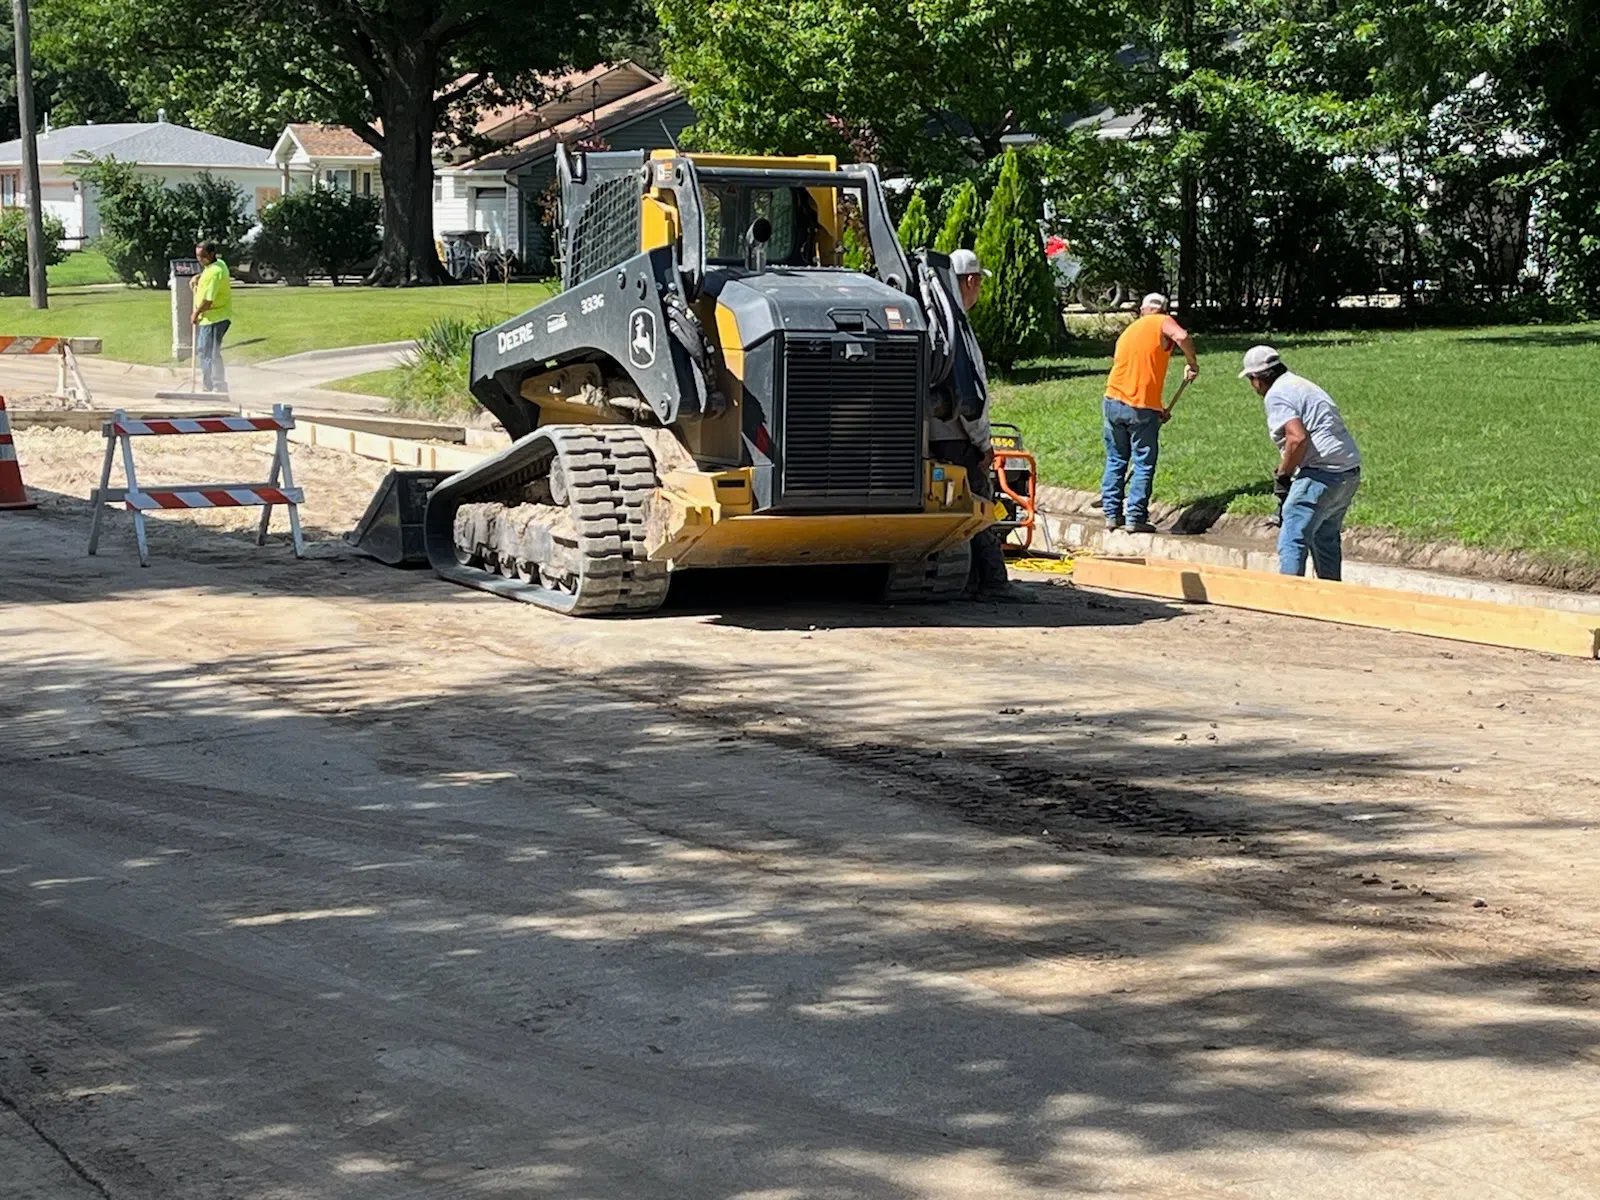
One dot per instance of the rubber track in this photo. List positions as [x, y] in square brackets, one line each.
[610, 479]
[939, 577]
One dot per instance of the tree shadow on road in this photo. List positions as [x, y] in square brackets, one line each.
[684, 931]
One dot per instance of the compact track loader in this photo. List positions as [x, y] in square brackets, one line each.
[714, 388]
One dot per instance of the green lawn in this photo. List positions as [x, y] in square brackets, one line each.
[388, 383]
[1490, 437]
[80, 268]
[268, 321]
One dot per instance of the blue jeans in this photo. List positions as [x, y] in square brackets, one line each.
[208, 348]
[1313, 519]
[1133, 436]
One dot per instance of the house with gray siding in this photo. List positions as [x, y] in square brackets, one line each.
[503, 191]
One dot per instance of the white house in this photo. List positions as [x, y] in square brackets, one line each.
[171, 153]
[308, 154]
[494, 184]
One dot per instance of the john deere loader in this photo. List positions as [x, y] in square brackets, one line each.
[715, 388]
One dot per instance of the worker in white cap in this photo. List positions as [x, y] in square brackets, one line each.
[970, 274]
[1135, 411]
[1318, 463]
[969, 444]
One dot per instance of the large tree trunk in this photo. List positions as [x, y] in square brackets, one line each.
[408, 257]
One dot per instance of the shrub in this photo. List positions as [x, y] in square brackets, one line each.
[14, 248]
[326, 229]
[436, 374]
[916, 230]
[1018, 315]
[962, 221]
[449, 338]
[145, 225]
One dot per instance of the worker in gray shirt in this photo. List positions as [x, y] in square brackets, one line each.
[968, 443]
[1317, 458]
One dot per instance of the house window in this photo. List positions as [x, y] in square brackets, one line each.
[366, 183]
[10, 189]
[340, 177]
[438, 189]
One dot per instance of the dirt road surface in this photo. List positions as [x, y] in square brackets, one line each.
[322, 880]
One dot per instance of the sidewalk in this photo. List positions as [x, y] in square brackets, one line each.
[27, 381]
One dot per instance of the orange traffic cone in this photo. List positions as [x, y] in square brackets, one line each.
[11, 493]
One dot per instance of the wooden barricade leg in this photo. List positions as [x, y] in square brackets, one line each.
[79, 383]
[99, 497]
[288, 482]
[285, 415]
[272, 482]
[133, 490]
[70, 384]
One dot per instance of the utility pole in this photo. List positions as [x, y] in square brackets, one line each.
[37, 291]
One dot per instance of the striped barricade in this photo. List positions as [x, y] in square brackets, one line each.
[70, 383]
[278, 489]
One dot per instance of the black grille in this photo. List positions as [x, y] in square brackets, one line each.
[608, 228]
[852, 422]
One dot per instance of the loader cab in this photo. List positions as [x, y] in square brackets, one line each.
[796, 236]
[822, 215]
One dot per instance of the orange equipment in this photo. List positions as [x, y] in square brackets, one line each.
[1016, 477]
[12, 494]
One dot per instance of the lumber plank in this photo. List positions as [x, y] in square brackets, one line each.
[397, 452]
[1518, 627]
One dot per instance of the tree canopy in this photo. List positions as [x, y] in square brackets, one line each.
[398, 72]
[916, 85]
[1282, 153]
[71, 95]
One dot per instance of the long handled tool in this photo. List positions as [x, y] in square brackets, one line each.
[194, 392]
[1176, 396]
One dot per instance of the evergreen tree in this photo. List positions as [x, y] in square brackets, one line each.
[1018, 315]
[916, 230]
[963, 221]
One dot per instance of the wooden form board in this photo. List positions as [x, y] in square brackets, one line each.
[400, 427]
[1516, 626]
[398, 452]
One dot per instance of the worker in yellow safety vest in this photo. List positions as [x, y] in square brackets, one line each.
[213, 313]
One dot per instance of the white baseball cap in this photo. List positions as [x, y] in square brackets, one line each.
[965, 262]
[1258, 360]
[1154, 300]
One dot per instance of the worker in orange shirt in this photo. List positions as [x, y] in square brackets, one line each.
[1135, 411]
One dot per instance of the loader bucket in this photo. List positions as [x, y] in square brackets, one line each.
[391, 528]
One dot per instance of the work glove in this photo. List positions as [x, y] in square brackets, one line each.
[1280, 491]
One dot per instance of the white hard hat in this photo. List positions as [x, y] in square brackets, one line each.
[1258, 360]
[965, 262]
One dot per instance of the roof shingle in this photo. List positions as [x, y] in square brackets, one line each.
[330, 141]
[154, 142]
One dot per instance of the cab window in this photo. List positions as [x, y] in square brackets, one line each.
[730, 209]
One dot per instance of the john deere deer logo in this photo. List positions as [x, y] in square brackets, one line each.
[642, 337]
